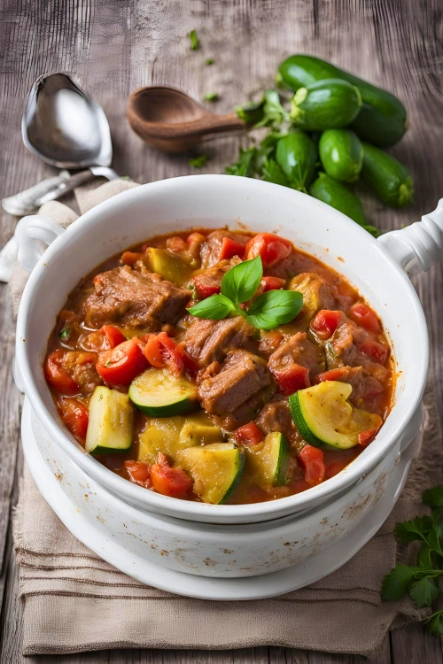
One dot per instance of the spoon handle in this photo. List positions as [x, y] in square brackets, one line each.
[24, 202]
[64, 187]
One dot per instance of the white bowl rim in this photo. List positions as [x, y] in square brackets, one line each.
[188, 509]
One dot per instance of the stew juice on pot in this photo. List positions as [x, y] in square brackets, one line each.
[219, 411]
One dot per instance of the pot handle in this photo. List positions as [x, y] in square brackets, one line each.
[417, 247]
[29, 233]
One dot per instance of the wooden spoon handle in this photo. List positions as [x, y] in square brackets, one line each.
[228, 122]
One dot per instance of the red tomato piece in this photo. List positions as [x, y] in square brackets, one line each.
[365, 437]
[113, 335]
[248, 434]
[272, 283]
[173, 356]
[162, 351]
[57, 376]
[139, 473]
[203, 288]
[365, 317]
[374, 350]
[176, 244]
[270, 247]
[325, 322]
[231, 248]
[312, 460]
[194, 241]
[75, 417]
[332, 374]
[291, 379]
[120, 365]
[130, 257]
[335, 468]
[173, 482]
[153, 352]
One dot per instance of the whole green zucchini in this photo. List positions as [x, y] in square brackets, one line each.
[382, 118]
[296, 154]
[325, 105]
[341, 154]
[341, 198]
[389, 180]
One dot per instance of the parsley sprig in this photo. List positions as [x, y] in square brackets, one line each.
[239, 285]
[421, 581]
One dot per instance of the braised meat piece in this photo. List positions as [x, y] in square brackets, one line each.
[134, 298]
[297, 350]
[208, 340]
[276, 416]
[211, 249]
[351, 345]
[364, 385]
[242, 376]
[208, 282]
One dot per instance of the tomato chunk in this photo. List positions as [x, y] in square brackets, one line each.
[130, 257]
[365, 437]
[332, 374]
[325, 322]
[176, 244]
[113, 335]
[173, 482]
[75, 416]
[139, 473]
[248, 434]
[204, 287]
[270, 247]
[365, 317]
[311, 459]
[374, 350]
[57, 376]
[291, 379]
[120, 365]
[271, 283]
[162, 351]
[153, 352]
[231, 248]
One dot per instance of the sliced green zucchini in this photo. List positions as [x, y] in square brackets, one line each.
[325, 418]
[267, 461]
[196, 431]
[110, 422]
[216, 470]
[157, 393]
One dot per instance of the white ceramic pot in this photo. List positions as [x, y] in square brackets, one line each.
[374, 267]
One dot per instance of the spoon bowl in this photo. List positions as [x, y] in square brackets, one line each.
[63, 127]
[170, 120]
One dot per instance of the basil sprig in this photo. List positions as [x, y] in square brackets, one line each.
[239, 284]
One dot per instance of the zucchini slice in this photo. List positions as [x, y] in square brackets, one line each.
[325, 418]
[267, 462]
[157, 393]
[110, 422]
[216, 470]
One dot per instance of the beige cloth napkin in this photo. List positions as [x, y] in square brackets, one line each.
[74, 601]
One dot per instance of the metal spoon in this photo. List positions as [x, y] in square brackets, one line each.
[66, 129]
[171, 121]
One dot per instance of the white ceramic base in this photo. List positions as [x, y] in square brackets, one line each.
[224, 589]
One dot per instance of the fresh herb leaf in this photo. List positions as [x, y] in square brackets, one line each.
[396, 584]
[424, 592]
[215, 307]
[435, 623]
[211, 96]
[240, 283]
[65, 334]
[433, 497]
[415, 529]
[251, 112]
[209, 61]
[244, 166]
[273, 173]
[273, 111]
[198, 162]
[195, 42]
[274, 308]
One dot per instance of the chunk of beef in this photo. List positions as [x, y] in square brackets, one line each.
[297, 350]
[343, 349]
[210, 250]
[364, 385]
[208, 282]
[80, 366]
[134, 298]
[208, 340]
[241, 377]
[276, 416]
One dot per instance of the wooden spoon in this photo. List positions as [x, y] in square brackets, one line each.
[171, 121]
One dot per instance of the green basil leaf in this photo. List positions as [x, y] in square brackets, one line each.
[274, 308]
[215, 307]
[273, 173]
[245, 165]
[240, 283]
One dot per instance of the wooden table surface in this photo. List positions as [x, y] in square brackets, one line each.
[116, 46]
